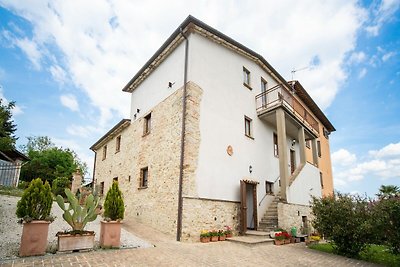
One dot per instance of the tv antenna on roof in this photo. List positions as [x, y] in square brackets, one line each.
[296, 70]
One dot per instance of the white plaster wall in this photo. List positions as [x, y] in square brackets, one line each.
[154, 88]
[219, 72]
[306, 184]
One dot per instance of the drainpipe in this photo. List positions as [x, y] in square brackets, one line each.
[180, 198]
[94, 171]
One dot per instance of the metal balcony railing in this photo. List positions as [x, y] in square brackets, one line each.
[280, 96]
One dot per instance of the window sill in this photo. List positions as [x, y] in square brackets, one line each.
[117, 151]
[251, 137]
[142, 187]
[248, 86]
[145, 134]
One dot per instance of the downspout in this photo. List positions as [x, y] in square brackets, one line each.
[94, 171]
[182, 156]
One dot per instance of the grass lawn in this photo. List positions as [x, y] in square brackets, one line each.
[375, 253]
[10, 191]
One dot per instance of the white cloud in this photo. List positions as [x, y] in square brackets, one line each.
[388, 55]
[381, 14]
[83, 131]
[70, 102]
[343, 157]
[362, 73]
[357, 57]
[58, 74]
[380, 164]
[31, 50]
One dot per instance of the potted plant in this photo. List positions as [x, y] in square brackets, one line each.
[77, 217]
[228, 231]
[221, 235]
[204, 236]
[279, 239]
[287, 237]
[313, 239]
[34, 210]
[214, 236]
[110, 230]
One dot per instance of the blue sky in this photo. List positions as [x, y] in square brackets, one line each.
[65, 64]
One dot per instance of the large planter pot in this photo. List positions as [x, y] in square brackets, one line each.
[71, 242]
[110, 234]
[34, 238]
[279, 242]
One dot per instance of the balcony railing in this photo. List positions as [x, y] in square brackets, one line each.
[280, 96]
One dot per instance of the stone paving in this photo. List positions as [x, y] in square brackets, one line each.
[171, 253]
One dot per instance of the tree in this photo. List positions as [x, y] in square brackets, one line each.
[48, 161]
[7, 126]
[388, 191]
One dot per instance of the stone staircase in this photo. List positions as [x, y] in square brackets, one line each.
[270, 219]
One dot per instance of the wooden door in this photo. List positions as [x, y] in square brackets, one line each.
[243, 207]
[292, 161]
[255, 216]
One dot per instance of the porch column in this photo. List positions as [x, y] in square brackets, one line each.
[283, 151]
[302, 145]
[315, 151]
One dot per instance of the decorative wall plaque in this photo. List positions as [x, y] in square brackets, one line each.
[229, 150]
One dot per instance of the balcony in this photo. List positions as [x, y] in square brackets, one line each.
[279, 96]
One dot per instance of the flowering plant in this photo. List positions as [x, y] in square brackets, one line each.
[228, 230]
[315, 237]
[282, 236]
[214, 233]
[204, 233]
[221, 233]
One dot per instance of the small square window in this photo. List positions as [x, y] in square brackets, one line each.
[115, 179]
[118, 144]
[276, 148]
[147, 124]
[248, 131]
[104, 152]
[144, 175]
[269, 187]
[246, 77]
[308, 143]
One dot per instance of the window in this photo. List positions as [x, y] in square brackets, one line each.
[276, 148]
[269, 187]
[147, 124]
[326, 133]
[248, 131]
[104, 152]
[246, 77]
[308, 143]
[117, 144]
[144, 175]
[264, 87]
[101, 188]
[115, 179]
[319, 148]
[321, 180]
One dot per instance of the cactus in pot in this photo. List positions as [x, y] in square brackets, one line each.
[75, 215]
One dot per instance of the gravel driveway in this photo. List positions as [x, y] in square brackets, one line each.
[10, 230]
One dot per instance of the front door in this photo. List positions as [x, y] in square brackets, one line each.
[248, 203]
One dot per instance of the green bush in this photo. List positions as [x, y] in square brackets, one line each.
[346, 220]
[23, 185]
[386, 223]
[59, 185]
[36, 201]
[114, 203]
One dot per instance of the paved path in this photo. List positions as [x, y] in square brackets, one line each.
[171, 253]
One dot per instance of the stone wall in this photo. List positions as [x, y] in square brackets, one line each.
[290, 215]
[159, 150]
[207, 214]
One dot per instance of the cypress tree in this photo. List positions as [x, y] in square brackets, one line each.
[114, 204]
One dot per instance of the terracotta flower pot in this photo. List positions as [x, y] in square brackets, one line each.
[279, 242]
[214, 238]
[34, 238]
[221, 238]
[229, 235]
[110, 234]
[205, 239]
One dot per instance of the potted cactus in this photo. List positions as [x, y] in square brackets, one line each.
[34, 211]
[110, 228]
[77, 216]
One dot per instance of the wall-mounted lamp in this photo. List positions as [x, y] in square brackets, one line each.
[170, 84]
[137, 110]
[250, 169]
[293, 142]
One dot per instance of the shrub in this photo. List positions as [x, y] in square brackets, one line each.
[114, 204]
[386, 223]
[59, 185]
[346, 220]
[36, 201]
